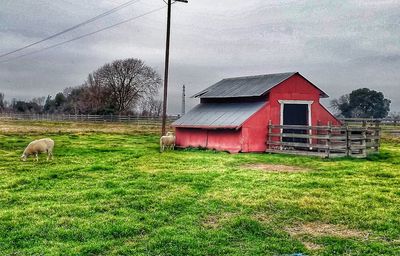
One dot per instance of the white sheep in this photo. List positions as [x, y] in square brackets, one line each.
[167, 141]
[39, 146]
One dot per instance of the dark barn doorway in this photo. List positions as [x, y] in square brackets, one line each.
[295, 114]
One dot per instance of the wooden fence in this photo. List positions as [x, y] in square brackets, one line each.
[142, 120]
[383, 121]
[325, 141]
[390, 126]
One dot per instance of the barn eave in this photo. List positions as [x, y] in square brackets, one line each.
[215, 127]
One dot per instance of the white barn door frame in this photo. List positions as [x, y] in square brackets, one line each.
[300, 102]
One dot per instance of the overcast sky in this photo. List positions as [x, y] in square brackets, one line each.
[338, 45]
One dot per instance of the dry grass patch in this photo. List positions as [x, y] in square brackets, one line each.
[261, 217]
[274, 168]
[79, 127]
[318, 229]
[215, 221]
[312, 246]
[211, 222]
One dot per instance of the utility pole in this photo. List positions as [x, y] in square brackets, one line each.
[183, 110]
[164, 113]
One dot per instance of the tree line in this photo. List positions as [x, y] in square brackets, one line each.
[363, 103]
[124, 87]
[129, 86]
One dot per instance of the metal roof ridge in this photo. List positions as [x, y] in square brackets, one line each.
[207, 90]
[256, 76]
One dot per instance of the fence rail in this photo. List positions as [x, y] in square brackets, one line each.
[143, 120]
[382, 121]
[324, 141]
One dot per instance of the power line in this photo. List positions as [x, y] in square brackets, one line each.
[74, 27]
[84, 35]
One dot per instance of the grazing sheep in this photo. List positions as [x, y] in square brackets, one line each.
[167, 141]
[39, 146]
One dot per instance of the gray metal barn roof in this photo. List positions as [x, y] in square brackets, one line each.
[219, 115]
[248, 86]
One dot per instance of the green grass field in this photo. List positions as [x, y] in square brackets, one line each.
[111, 193]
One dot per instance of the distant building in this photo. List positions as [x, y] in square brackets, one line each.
[233, 114]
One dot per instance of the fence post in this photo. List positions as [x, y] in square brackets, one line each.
[318, 132]
[269, 140]
[348, 142]
[364, 136]
[364, 140]
[281, 130]
[328, 140]
[377, 135]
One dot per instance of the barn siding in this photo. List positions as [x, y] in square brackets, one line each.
[225, 140]
[297, 88]
[189, 137]
[221, 139]
[324, 116]
[255, 131]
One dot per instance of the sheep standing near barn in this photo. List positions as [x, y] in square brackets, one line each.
[39, 146]
[167, 141]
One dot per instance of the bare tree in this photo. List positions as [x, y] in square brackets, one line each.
[89, 98]
[394, 115]
[2, 102]
[96, 94]
[118, 88]
[127, 82]
[39, 100]
[150, 107]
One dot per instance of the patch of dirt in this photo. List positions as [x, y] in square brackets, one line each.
[214, 221]
[311, 246]
[211, 222]
[318, 229]
[274, 168]
[263, 218]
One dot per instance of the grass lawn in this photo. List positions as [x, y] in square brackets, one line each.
[112, 193]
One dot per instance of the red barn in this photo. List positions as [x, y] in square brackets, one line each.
[233, 114]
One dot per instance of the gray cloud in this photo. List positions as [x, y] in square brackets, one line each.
[339, 45]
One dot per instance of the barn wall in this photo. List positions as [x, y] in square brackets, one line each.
[225, 140]
[189, 137]
[297, 88]
[255, 129]
[221, 139]
[324, 116]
